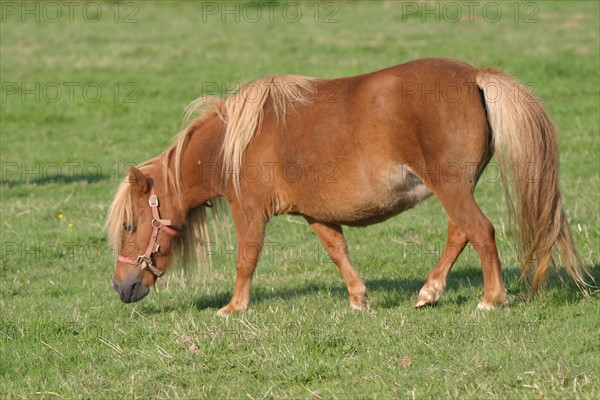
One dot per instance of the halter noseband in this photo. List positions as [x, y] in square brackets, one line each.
[157, 224]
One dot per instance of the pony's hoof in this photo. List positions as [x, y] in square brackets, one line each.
[228, 310]
[359, 301]
[485, 305]
[424, 303]
[429, 295]
[223, 312]
[360, 306]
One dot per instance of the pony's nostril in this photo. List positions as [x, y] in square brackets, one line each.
[130, 290]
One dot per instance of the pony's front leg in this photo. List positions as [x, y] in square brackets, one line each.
[250, 235]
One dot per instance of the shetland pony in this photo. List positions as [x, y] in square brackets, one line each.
[386, 141]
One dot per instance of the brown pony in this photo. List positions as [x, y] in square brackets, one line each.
[384, 141]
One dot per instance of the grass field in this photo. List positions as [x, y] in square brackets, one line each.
[90, 88]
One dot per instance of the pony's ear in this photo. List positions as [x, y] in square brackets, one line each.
[138, 180]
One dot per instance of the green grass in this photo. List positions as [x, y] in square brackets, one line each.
[64, 332]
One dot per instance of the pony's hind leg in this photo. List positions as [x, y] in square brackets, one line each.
[436, 281]
[332, 237]
[464, 212]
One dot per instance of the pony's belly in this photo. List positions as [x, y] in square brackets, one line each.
[372, 199]
[384, 206]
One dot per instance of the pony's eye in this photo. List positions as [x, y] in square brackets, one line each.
[128, 227]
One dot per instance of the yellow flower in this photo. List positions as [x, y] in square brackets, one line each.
[61, 217]
[70, 226]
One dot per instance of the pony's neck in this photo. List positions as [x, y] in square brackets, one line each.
[200, 163]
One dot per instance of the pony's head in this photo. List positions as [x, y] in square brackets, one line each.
[142, 223]
[159, 211]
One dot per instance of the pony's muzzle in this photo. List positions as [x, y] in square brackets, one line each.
[131, 290]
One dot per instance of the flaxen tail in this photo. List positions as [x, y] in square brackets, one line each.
[526, 147]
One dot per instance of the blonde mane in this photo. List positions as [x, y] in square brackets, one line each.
[242, 114]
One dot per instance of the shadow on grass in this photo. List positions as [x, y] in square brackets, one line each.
[391, 292]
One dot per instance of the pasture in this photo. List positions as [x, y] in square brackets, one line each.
[89, 89]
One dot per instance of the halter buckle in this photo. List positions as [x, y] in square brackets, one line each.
[153, 201]
[150, 266]
[142, 259]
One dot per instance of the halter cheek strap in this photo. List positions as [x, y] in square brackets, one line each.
[145, 260]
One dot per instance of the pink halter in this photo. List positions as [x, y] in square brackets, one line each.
[157, 225]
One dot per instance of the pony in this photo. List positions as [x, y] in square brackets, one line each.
[387, 140]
